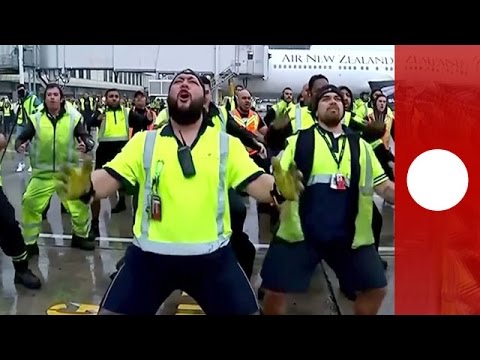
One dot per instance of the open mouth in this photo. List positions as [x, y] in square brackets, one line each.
[184, 95]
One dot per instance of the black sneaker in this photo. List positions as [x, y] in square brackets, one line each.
[28, 279]
[83, 243]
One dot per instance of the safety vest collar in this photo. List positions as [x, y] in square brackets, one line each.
[167, 131]
[44, 111]
[250, 114]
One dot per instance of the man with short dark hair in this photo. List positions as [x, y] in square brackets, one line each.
[113, 134]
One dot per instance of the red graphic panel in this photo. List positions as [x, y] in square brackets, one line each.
[437, 253]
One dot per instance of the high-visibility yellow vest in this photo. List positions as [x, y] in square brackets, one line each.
[282, 106]
[348, 118]
[28, 107]
[170, 236]
[300, 118]
[7, 108]
[220, 120]
[115, 125]
[250, 123]
[53, 146]
[321, 174]
[161, 118]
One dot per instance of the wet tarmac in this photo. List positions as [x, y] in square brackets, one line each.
[73, 277]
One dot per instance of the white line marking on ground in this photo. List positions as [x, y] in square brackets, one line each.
[383, 250]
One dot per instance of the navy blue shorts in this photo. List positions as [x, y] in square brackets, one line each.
[288, 267]
[214, 280]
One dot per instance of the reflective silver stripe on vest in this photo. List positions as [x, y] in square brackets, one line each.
[37, 164]
[174, 248]
[298, 118]
[324, 179]
[366, 190]
[223, 120]
[101, 133]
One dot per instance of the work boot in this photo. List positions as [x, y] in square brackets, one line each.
[94, 230]
[121, 206]
[25, 276]
[83, 243]
[32, 250]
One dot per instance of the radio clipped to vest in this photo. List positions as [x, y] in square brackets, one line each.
[185, 159]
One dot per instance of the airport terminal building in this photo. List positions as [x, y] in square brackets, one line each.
[264, 69]
[95, 68]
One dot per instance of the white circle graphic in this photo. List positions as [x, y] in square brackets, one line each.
[437, 180]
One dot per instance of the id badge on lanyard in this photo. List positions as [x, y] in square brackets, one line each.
[155, 200]
[337, 181]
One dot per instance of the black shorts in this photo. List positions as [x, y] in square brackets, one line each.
[106, 151]
[214, 280]
[288, 267]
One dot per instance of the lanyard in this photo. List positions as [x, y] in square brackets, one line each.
[330, 147]
[156, 178]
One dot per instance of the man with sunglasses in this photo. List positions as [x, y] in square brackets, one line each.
[113, 134]
[182, 234]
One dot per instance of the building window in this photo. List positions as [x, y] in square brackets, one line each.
[81, 74]
[110, 75]
[105, 75]
[88, 74]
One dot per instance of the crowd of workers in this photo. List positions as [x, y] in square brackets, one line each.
[312, 165]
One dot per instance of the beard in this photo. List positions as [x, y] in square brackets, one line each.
[184, 116]
[332, 119]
